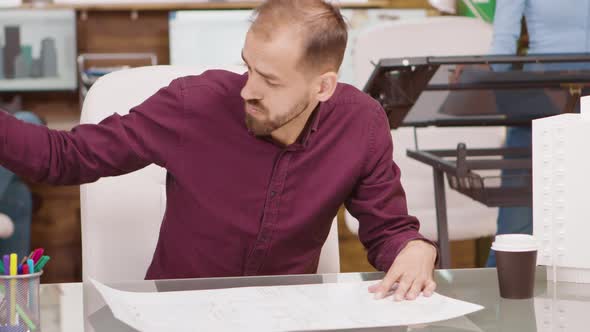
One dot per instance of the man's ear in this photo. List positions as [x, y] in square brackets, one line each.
[326, 86]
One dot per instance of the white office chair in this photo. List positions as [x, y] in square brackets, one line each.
[121, 216]
[434, 36]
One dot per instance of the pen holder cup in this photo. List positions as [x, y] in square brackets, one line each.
[19, 303]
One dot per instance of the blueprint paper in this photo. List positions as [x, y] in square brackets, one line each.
[276, 308]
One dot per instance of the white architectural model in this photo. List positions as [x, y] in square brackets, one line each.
[561, 179]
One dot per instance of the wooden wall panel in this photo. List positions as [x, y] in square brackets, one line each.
[56, 227]
[117, 32]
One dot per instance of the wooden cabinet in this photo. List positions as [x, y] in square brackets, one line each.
[56, 227]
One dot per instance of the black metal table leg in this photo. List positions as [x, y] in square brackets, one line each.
[441, 219]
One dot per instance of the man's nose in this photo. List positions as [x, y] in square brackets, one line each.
[249, 91]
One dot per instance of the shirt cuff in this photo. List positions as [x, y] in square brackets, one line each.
[390, 251]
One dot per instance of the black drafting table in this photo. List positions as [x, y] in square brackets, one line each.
[479, 90]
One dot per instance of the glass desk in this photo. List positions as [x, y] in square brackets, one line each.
[561, 307]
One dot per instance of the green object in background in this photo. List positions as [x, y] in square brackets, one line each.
[483, 9]
[26, 52]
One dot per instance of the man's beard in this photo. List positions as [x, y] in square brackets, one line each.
[267, 126]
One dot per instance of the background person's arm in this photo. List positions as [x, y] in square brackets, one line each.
[507, 26]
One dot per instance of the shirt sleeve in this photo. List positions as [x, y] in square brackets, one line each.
[115, 146]
[507, 26]
[379, 202]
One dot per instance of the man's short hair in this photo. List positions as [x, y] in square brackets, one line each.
[323, 28]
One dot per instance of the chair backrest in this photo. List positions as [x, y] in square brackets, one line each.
[433, 36]
[121, 216]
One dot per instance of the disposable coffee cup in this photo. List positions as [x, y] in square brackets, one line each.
[516, 260]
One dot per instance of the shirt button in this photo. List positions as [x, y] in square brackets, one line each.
[273, 193]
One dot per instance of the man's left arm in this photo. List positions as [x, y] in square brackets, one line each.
[389, 234]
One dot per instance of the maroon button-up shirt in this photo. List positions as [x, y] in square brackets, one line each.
[237, 204]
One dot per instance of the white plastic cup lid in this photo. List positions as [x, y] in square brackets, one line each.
[515, 242]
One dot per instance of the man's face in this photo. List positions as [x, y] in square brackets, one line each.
[277, 91]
